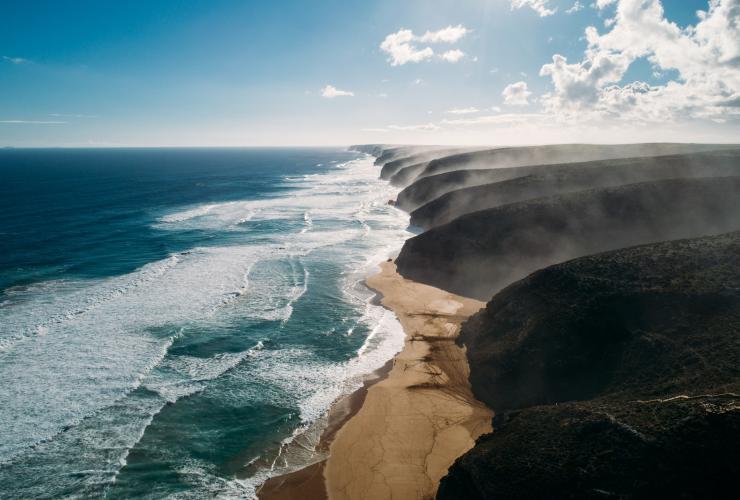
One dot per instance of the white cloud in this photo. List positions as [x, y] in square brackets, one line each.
[331, 91]
[400, 50]
[453, 55]
[450, 34]
[498, 119]
[375, 130]
[424, 126]
[577, 6]
[68, 115]
[33, 122]
[541, 7]
[402, 46]
[15, 60]
[516, 94]
[705, 56]
[463, 111]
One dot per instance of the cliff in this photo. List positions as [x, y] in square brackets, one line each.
[550, 180]
[612, 376]
[558, 153]
[478, 254]
[417, 158]
[494, 165]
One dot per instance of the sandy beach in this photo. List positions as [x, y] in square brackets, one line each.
[405, 430]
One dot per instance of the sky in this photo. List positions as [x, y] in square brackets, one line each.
[100, 73]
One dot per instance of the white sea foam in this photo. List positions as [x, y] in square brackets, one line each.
[58, 337]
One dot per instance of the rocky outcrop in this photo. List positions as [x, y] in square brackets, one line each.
[550, 180]
[613, 376]
[478, 254]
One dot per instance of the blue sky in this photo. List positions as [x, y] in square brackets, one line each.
[228, 72]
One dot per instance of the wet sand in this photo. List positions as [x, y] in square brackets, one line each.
[423, 415]
[397, 436]
[308, 483]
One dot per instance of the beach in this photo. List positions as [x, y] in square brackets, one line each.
[412, 424]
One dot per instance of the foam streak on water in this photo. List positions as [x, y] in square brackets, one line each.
[271, 316]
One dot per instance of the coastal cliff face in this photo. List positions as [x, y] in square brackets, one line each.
[419, 158]
[553, 154]
[389, 154]
[426, 189]
[484, 167]
[613, 376]
[478, 254]
[548, 180]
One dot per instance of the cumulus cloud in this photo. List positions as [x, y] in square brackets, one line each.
[330, 91]
[463, 111]
[541, 7]
[403, 46]
[450, 34]
[400, 50]
[516, 94]
[453, 55]
[706, 58]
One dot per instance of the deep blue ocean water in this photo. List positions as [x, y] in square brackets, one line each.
[175, 322]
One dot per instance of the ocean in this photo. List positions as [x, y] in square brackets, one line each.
[172, 321]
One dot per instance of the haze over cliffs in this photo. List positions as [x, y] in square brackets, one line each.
[547, 180]
[479, 253]
[613, 375]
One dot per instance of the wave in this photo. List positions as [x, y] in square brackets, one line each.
[87, 365]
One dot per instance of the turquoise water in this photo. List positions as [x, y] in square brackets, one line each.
[174, 321]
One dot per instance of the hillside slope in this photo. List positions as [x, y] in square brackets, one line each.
[613, 376]
[479, 253]
[555, 179]
[484, 167]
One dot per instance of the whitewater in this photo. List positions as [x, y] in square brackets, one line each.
[190, 375]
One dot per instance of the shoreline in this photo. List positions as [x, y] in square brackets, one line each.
[399, 433]
[308, 482]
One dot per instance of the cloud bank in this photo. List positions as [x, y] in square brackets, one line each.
[706, 58]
